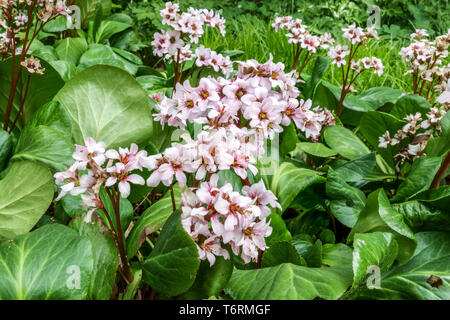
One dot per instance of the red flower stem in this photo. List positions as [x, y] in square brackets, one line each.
[441, 172]
[115, 199]
[172, 195]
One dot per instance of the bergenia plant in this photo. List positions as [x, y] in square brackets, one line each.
[425, 60]
[304, 44]
[95, 168]
[185, 29]
[345, 57]
[20, 23]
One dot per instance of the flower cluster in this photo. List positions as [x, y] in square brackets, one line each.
[33, 65]
[357, 37]
[16, 15]
[261, 97]
[218, 217]
[172, 44]
[228, 148]
[302, 40]
[94, 167]
[417, 142]
[425, 60]
[297, 33]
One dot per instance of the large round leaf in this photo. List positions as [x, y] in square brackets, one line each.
[372, 249]
[378, 215]
[425, 276]
[289, 282]
[346, 202]
[105, 257]
[210, 280]
[289, 180]
[51, 263]
[107, 104]
[171, 267]
[345, 142]
[26, 193]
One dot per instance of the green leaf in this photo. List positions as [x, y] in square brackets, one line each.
[42, 89]
[438, 197]
[423, 218]
[133, 58]
[133, 287]
[279, 230]
[231, 177]
[289, 139]
[171, 267]
[419, 178]
[357, 169]
[378, 215]
[346, 202]
[440, 146]
[289, 180]
[289, 282]
[27, 191]
[311, 253]
[125, 207]
[51, 263]
[52, 115]
[6, 147]
[372, 249]
[65, 69]
[72, 205]
[281, 252]
[46, 145]
[410, 104]
[316, 149]
[71, 49]
[88, 9]
[210, 281]
[109, 28]
[413, 280]
[59, 24]
[320, 67]
[102, 54]
[336, 255]
[151, 221]
[100, 107]
[345, 142]
[374, 125]
[374, 98]
[105, 258]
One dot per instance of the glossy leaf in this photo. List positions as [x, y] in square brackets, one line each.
[210, 281]
[425, 277]
[172, 266]
[100, 109]
[289, 180]
[378, 215]
[419, 178]
[27, 191]
[281, 252]
[50, 263]
[346, 202]
[105, 258]
[289, 282]
[345, 142]
[372, 249]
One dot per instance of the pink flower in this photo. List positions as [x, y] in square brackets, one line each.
[174, 41]
[120, 172]
[353, 33]
[262, 197]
